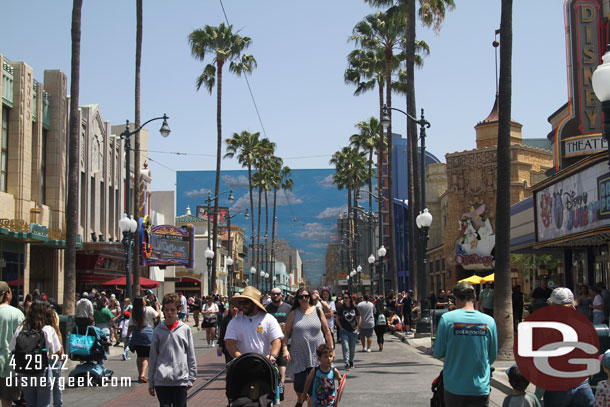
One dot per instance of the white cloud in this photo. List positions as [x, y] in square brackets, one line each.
[319, 245]
[236, 182]
[332, 213]
[315, 232]
[197, 193]
[284, 198]
[328, 181]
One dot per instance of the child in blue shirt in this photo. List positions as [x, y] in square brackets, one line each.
[324, 393]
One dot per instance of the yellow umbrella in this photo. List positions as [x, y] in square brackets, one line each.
[489, 278]
[472, 279]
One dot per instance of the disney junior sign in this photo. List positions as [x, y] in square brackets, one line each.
[556, 348]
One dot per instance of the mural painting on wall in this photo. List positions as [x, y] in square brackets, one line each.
[474, 249]
[574, 204]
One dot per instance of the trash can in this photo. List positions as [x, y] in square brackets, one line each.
[66, 325]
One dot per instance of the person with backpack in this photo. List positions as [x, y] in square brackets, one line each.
[381, 323]
[34, 345]
[10, 319]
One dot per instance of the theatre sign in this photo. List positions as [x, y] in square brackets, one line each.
[577, 125]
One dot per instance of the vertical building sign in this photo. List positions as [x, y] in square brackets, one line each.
[579, 131]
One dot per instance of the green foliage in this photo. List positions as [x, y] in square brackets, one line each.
[527, 262]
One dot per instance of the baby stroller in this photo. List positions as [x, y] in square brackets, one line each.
[252, 381]
[89, 345]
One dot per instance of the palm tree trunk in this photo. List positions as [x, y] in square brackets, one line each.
[218, 158]
[258, 237]
[349, 230]
[412, 155]
[273, 234]
[380, 152]
[72, 204]
[388, 90]
[136, 161]
[250, 189]
[502, 290]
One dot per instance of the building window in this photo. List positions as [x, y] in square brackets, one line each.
[43, 169]
[4, 150]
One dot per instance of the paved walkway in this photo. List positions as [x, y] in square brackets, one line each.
[402, 373]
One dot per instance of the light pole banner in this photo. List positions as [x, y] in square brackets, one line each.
[575, 204]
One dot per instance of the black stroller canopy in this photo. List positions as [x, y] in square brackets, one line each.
[251, 375]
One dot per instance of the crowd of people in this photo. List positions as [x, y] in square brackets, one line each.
[297, 332]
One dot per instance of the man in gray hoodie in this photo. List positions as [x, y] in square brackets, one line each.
[172, 369]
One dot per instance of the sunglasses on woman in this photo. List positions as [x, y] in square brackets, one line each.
[303, 296]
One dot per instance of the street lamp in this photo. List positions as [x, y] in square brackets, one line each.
[229, 247]
[601, 87]
[359, 271]
[253, 273]
[211, 265]
[126, 135]
[381, 252]
[371, 261]
[209, 256]
[128, 226]
[423, 124]
[423, 221]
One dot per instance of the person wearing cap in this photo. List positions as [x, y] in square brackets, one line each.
[602, 395]
[83, 312]
[581, 395]
[462, 333]
[10, 319]
[254, 330]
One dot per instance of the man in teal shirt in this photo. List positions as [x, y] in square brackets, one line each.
[468, 341]
[10, 318]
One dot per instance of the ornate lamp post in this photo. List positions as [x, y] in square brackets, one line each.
[371, 261]
[423, 221]
[601, 87]
[381, 252]
[209, 256]
[423, 124]
[126, 135]
[253, 273]
[211, 265]
[128, 226]
[230, 249]
[359, 272]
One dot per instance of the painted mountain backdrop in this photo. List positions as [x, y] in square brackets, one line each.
[306, 216]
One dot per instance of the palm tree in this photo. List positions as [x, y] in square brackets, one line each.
[431, 13]
[136, 188]
[350, 173]
[384, 30]
[286, 184]
[367, 140]
[245, 146]
[225, 46]
[264, 150]
[502, 291]
[71, 205]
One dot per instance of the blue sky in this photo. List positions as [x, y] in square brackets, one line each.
[301, 47]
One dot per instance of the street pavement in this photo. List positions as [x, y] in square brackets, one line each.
[402, 373]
